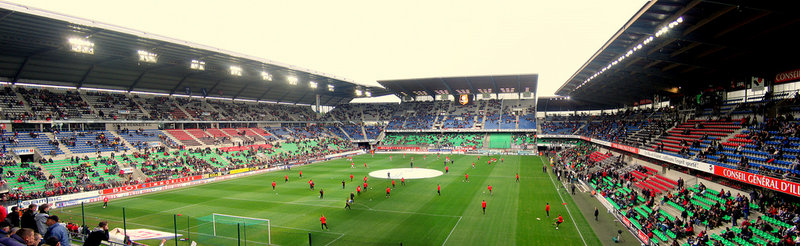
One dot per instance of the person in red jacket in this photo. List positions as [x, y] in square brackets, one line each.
[439, 190]
[490, 190]
[466, 177]
[273, 185]
[323, 223]
[285, 178]
[517, 177]
[351, 177]
[547, 209]
[388, 191]
[483, 205]
[301, 173]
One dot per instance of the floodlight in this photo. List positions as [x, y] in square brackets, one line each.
[292, 80]
[358, 92]
[236, 70]
[81, 45]
[198, 65]
[266, 76]
[330, 87]
[312, 84]
[146, 56]
[368, 93]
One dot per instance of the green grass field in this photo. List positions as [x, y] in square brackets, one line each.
[413, 215]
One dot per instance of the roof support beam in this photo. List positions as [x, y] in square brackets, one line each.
[265, 92]
[326, 101]
[19, 71]
[85, 75]
[454, 93]
[180, 82]
[471, 87]
[136, 82]
[241, 90]
[494, 85]
[430, 92]
[215, 85]
[301, 98]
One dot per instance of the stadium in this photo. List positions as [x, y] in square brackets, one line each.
[679, 130]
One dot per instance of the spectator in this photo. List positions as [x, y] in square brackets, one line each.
[99, 234]
[41, 218]
[57, 230]
[29, 218]
[23, 237]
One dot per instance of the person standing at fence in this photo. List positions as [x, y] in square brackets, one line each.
[99, 234]
[57, 230]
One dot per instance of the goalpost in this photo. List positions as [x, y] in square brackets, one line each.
[242, 224]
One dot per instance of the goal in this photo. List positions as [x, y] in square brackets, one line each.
[239, 227]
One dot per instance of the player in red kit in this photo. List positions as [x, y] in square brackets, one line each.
[301, 174]
[558, 221]
[365, 178]
[547, 209]
[285, 178]
[466, 177]
[439, 189]
[351, 177]
[392, 183]
[365, 186]
[323, 225]
[105, 202]
[403, 181]
[483, 205]
[446, 169]
[517, 177]
[273, 185]
[358, 190]
[387, 191]
[490, 190]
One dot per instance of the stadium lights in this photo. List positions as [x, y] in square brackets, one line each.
[661, 31]
[198, 65]
[47, 86]
[146, 56]
[236, 70]
[368, 93]
[266, 76]
[358, 92]
[103, 90]
[312, 84]
[150, 93]
[330, 88]
[81, 45]
[218, 98]
[292, 80]
[244, 100]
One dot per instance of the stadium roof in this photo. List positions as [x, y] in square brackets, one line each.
[462, 85]
[693, 45]
[35, 48]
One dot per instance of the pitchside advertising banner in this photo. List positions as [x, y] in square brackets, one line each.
[151, 184]
[759, 180]
[397, 148]
[750, 178]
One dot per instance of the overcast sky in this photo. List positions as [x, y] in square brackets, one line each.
[373, 40]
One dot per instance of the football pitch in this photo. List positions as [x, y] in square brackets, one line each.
[414, 214]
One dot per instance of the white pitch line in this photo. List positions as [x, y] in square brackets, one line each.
[334, 240]
[451, 231]
[567, 207]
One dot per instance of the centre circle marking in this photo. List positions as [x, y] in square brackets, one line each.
[407, 173]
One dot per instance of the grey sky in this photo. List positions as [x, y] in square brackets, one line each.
[373, 40]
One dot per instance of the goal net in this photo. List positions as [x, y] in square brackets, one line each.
[223, 229]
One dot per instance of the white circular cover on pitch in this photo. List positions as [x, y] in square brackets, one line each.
[407, 173]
